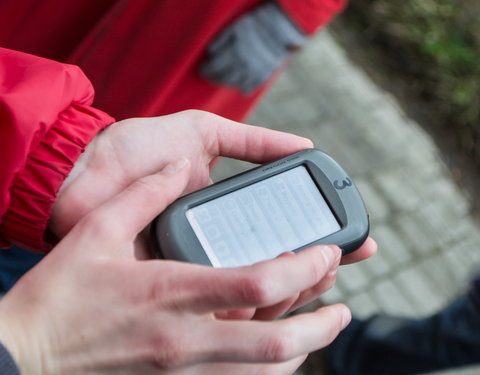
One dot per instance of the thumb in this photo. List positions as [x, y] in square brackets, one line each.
[129, 212]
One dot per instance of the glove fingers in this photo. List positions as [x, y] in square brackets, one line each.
[221, 41]
[250, 50]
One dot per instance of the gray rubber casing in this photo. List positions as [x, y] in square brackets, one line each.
[174, 238]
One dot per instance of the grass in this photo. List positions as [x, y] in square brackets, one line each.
[435, 46]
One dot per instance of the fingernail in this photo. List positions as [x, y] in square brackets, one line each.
[175, 166]
[333, 271]
[332, 254]
[309, 140]
[346, 316]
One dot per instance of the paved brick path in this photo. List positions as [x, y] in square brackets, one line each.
[428, 244]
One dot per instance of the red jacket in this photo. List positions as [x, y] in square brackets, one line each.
[142, 55]
[142, 58]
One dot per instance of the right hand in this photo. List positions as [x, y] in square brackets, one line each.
[248, 52]
[85, 309]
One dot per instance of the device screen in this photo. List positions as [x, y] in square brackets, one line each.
[262, 220]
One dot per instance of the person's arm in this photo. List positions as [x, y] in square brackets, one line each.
[45, 123]
[88, 307]
[250, 50]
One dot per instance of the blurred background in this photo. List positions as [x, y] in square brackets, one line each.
[427, 54]
[392, 91]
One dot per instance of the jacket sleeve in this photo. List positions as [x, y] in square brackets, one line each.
[46, 121]
[7, 363]
[310, 15]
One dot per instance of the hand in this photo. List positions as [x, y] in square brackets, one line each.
[88, 307]
[135, 148]
[247, 53]
[367, 250]
[138, 147]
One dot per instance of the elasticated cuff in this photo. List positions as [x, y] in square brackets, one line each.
[35, 188]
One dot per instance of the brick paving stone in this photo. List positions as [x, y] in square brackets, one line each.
[439, 274]
[425, 298]
[334, 295]
[378, 266]
[417, 234]
[392, 299]
[464, 228]
[452, 199]
[353, 278]
[441, 218]
[286, 86]
[399, 189]
[459, 272]
[467, 251]
[362, 305]
[297, 110]
[392, 245]
[389, 128]
[326, 138]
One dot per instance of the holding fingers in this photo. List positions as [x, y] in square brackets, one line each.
[111, 314]
[138, 147]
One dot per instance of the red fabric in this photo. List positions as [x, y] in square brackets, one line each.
[312, 14]
[142, 55]
[45, 123]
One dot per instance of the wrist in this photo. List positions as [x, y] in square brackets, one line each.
[22, 344]
[91, 181]
[59, 211]
[80, 165]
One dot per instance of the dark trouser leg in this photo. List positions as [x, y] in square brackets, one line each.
[384, 345]
[14, 262]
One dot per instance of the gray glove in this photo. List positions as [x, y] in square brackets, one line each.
[246, 53]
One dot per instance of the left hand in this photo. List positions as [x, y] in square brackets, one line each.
[137, 147]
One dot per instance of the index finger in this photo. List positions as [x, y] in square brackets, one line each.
[204, 289]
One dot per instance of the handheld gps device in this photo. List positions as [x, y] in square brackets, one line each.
[295, 202]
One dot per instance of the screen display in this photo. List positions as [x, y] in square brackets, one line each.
[263, 220]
